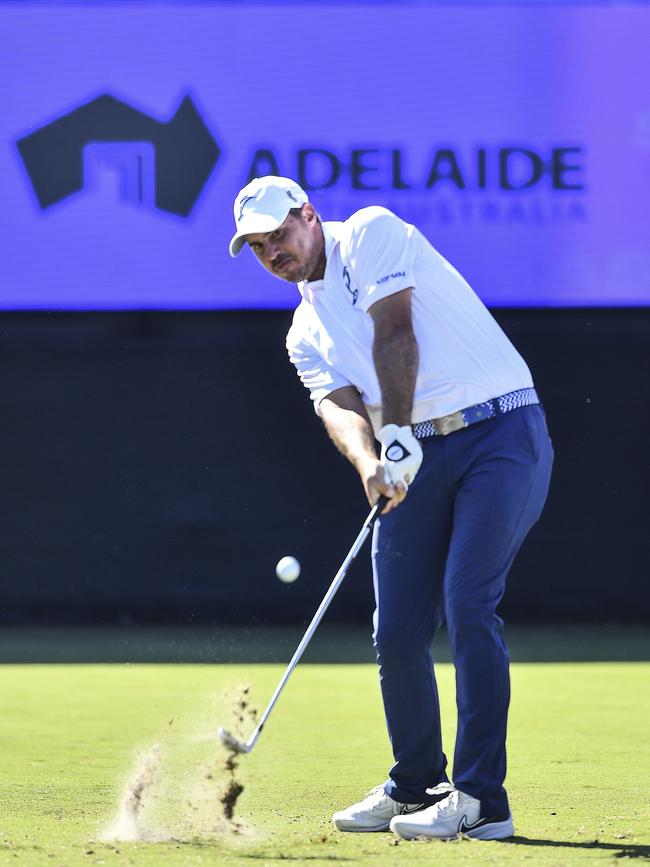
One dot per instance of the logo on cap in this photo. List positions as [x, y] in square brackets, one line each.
[243, 204]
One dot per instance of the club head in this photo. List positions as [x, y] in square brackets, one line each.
[232, 743]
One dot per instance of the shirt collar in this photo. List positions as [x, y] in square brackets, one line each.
[332, 234]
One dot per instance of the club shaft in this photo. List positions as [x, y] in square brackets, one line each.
[318, 616]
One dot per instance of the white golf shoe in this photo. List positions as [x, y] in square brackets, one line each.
[457, 815]
[374, 813]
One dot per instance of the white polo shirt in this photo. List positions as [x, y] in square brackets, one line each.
[465, 358]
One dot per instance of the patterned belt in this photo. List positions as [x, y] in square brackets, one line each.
[473, 414]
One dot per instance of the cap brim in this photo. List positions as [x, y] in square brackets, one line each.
[236, 243]
[251, 225]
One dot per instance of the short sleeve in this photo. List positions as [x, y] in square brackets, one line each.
[315, 373]
[381, 256]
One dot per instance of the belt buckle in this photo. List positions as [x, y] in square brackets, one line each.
[449, 423]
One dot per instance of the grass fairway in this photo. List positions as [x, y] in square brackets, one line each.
[578, 765]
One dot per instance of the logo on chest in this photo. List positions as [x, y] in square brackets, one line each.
[347, 280]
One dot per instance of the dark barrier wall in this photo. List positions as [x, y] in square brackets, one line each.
[155, 466]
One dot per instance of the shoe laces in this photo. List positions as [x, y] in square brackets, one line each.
[441, 789]
[450, 804]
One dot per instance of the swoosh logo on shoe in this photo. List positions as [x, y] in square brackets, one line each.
[414, 809]
[463, 828]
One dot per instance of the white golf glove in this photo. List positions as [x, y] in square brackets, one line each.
[401, 453]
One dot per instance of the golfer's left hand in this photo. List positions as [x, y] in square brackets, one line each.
[401, 454]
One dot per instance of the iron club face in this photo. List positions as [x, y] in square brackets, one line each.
[232, 743]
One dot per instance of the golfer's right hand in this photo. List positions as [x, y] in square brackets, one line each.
[375, 481]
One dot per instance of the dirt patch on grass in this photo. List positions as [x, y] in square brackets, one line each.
[184, 787]
[245, 715]
[126, 825]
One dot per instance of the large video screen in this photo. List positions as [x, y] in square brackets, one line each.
[516, 137]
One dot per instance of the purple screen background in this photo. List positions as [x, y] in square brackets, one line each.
[335, 78]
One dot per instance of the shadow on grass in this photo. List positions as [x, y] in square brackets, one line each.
[265, 856]
[617, 850]
[295, 857]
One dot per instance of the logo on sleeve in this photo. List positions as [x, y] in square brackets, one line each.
[353, 292]
[392, 276]
[397, 452]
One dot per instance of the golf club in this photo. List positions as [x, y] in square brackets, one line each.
[229, 740]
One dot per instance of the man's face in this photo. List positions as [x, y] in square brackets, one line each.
[295, 251]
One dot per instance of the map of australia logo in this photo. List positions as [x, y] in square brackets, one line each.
[161, 164]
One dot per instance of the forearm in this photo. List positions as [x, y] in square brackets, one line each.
[349, 428]
[396, 359]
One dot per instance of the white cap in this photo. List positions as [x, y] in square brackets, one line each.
[263, 205]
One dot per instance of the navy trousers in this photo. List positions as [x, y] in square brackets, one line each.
[443, 555]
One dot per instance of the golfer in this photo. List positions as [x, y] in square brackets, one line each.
[395, 347]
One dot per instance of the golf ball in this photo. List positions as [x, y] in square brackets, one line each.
[288, 569]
